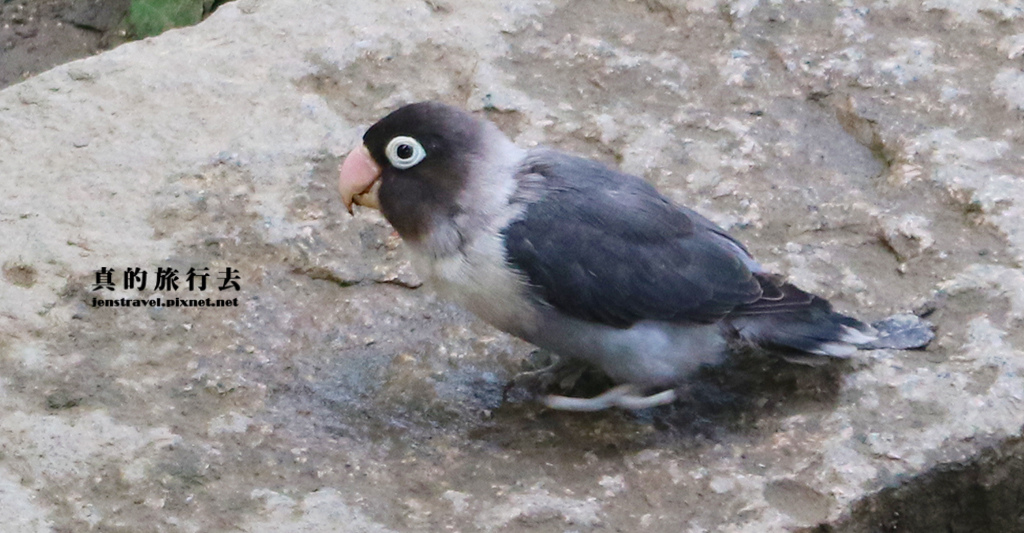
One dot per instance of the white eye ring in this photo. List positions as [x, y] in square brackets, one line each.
[418, 153]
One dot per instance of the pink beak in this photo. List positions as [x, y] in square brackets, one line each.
[359, 179]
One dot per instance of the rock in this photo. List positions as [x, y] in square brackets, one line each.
[339, 392]
[907, 236]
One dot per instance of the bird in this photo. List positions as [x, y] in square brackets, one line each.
[579, 259]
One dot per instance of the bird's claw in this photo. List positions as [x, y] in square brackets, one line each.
[559, 371]
[623, 396]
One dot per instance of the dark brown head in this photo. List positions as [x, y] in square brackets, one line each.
[422, 155]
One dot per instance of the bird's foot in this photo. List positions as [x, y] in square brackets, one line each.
[558, 371]
[624, 396]
[554, 364]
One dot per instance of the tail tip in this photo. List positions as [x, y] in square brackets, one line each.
[902, 332]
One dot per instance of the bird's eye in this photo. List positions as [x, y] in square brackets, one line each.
[404, 152]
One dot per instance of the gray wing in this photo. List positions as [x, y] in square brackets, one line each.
[606, 247]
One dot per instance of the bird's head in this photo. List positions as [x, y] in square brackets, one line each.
[414, 164]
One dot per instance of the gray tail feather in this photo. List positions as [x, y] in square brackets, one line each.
[787, 317]
[901, 332]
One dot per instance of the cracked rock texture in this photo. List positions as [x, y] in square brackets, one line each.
[872, 151]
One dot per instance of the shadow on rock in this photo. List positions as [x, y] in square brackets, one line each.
[732, 398]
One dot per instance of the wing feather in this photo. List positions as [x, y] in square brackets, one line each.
[607, 247]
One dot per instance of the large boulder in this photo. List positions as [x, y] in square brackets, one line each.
[872, 154]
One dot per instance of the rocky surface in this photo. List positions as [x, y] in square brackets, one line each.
[870, 151]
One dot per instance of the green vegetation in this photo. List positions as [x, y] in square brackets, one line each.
[152, 17]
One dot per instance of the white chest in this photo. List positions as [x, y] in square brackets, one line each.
[479, 279]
